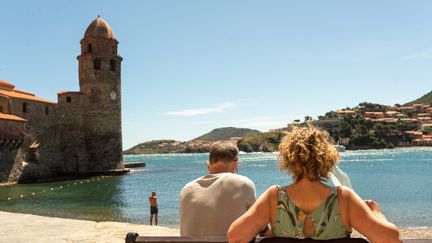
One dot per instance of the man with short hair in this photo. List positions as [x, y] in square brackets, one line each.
[209, 204]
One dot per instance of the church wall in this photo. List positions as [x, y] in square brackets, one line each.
[79, 134]
[11, 165]
[41, 132]
[4, 104]
[11, 155]
[13, 130]
[71, 131]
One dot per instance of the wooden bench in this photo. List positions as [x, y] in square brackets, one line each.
[135, 238]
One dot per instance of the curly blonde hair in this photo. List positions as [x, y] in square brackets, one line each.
[307, 153]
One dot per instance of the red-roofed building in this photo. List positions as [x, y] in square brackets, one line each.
[392, 113]
[81, 133]
[407, 109]
[373, 115]
[343, 113]
[427, 127]
[422, 141]
[21, 103]
[410, 120]
[11, 127]
[424, 119]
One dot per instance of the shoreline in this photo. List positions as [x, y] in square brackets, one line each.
[242, 152]
[33, 228]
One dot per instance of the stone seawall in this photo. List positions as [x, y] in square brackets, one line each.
[11, 157]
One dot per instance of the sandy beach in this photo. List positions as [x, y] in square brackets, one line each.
[18, 227]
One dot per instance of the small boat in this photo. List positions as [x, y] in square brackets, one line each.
[339, 148]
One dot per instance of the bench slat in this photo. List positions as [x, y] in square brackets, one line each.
[135, 238]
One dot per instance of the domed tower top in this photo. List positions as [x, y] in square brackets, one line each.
[99, 28]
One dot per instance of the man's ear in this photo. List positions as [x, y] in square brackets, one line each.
[208, 166]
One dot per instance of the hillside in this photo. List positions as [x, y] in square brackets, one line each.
[198, 145]
[262, 142]
[157, 147]
[425, 99]
[226, 133]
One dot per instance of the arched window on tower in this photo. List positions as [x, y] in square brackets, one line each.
[89, 47]
[97, 63]
[113, 65]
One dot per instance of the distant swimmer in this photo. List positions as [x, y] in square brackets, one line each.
[153, 208]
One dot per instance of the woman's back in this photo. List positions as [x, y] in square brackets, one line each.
[308, 207]
[313, 212]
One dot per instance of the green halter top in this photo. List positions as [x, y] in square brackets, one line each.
[326, 218]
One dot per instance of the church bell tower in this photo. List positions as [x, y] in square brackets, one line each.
[100, 86]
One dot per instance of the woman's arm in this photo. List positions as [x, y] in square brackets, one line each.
[253, 221]
[366, 218]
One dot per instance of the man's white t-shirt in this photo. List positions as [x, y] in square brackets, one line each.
[209, 204]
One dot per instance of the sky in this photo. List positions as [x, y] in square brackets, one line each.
[194, 65]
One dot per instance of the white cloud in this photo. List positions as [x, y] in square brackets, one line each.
[427, 54]
[201, 111]
[264, 123]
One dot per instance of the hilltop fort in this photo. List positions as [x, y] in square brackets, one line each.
[78, 135]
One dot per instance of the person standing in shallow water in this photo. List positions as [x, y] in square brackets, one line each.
[153, 208]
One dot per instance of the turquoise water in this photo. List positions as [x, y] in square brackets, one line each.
[399, 179]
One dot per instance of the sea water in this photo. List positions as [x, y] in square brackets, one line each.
[399, 179]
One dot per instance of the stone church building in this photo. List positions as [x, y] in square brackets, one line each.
[80, 134]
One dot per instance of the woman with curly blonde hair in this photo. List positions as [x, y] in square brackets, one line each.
[308, 208]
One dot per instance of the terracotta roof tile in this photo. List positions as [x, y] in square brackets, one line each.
[5, 85]
[24, 95]
[5, 116]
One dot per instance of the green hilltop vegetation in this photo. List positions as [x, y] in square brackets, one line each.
[200, 144]
[362, 133]
[425, 99]
[359, 132]
[157, 147]
[261, 142]
[226, 133]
